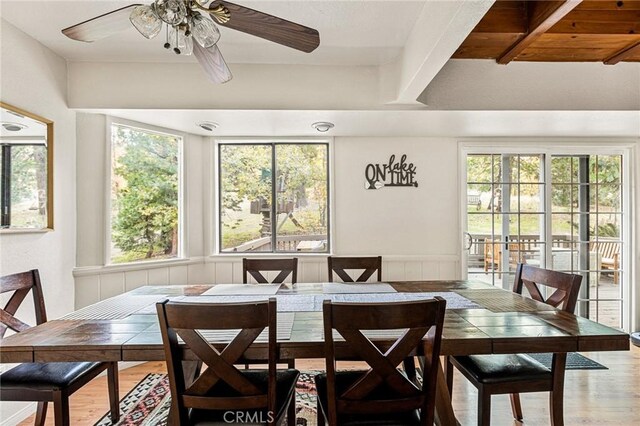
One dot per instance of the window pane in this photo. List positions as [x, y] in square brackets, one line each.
[28, 186]
[529, 169]
[245, 197]
[301, 197]
[144, 195]
[531, 198]
[479, 168]
[564, 169]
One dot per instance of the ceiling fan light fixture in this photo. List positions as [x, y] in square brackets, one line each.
[204, 31]
[170, 11]
[146, 21]
[323, 126]
[181, 43]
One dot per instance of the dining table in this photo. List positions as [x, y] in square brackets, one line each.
[480, 319]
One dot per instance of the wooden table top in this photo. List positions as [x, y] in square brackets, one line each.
[504, 323]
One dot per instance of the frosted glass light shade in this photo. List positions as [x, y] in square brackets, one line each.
[170, 11]
[204, 31]
[145, 21]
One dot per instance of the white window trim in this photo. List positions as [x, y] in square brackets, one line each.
[182, 253]
[213, 205]
[625, 147]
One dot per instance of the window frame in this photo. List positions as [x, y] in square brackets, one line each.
[548, 147]
[181, 252]
[215, 230]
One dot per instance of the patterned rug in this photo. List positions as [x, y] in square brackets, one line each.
[149, 401]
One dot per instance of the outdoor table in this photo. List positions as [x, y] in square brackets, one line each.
[125, 328]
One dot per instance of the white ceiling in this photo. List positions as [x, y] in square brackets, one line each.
[352, 32]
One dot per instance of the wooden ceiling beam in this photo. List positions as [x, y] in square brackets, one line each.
[543, 15]
[631, 50]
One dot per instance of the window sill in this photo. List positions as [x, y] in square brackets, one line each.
[135, 266]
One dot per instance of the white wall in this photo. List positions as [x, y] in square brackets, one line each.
[412, 228]
[35, 79]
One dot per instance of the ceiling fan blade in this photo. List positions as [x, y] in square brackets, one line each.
[268, 27]
[101, 26]
[213, 63]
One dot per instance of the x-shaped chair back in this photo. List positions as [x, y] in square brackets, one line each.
[422, 322]
[20, 284]
[184, 320]
[255, 266]
[338, 265]
[566, 286]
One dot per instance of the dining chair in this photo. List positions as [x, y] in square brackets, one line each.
[46, 382]
[264, 396]
[255, 267]
[516, 373]
[382, 394]
[339, 265]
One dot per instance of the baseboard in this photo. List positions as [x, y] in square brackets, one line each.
[18, 416]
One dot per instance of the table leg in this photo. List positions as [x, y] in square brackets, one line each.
[191, 370]
[444, 410]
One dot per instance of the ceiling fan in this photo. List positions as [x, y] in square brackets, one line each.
[190, 28]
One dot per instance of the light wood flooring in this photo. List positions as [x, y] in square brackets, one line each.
[592, 397]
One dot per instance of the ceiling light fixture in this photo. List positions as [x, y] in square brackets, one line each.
[323, 126]
[209, 126]
[13, 127]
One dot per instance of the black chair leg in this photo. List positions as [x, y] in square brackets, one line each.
[41, 413]
[114, 394]
[484, 408]
[61, 408]
[516, 407]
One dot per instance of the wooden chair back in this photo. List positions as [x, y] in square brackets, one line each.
[566, 286]
[423, 323]
[185, 320]
[255, 267]
[21, 284]
[369, 264]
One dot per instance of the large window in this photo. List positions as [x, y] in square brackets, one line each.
[145, 194]
[562, 212]
[273, 197]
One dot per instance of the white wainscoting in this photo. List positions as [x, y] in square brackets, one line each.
[93, 284]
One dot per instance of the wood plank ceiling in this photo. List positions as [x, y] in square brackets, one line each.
[556, 31]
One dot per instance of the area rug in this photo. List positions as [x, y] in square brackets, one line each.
[575, 361]
[148, 402]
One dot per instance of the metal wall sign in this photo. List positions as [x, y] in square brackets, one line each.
[392, 173]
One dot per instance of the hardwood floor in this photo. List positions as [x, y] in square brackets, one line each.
[592, 397]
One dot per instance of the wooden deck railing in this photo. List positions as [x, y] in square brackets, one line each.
[284, 243]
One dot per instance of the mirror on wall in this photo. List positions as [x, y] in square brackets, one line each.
[26, 170]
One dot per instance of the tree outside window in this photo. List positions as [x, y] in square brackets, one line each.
[144, 195]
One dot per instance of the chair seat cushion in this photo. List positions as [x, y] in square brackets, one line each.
[285, 388]
[45, 376]
[502, 368]
[344, 379]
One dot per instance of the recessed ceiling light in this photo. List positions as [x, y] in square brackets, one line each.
[13, 127]
[323, 126]
[209, 126]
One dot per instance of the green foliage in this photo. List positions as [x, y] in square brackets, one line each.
[145, 185]
[246, 176]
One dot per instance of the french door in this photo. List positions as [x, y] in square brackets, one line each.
[558, 211]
